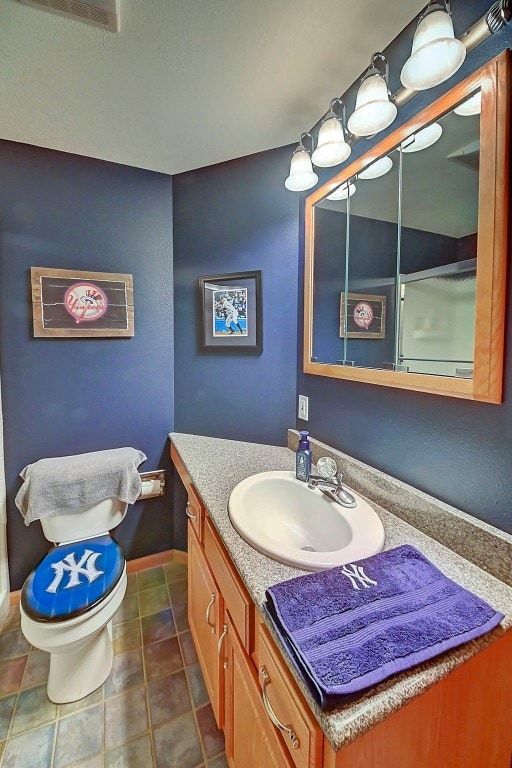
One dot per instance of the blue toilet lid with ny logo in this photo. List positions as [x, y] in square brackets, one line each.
[72, 578]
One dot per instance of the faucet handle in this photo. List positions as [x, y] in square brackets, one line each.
[327, 468]
[339, 478]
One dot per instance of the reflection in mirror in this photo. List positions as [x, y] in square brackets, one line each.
[438, 246]
[329, 278]
[373, 234]
[404, 237]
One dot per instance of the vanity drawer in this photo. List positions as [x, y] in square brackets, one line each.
[236, 597]
[283, 700]
[194, 509]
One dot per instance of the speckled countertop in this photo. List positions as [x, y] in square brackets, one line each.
[216, 466]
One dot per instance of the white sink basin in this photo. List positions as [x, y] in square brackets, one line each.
[284, 519]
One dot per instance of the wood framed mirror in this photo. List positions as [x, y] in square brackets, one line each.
[406, 251]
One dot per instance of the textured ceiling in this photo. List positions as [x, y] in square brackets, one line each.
[185, 83]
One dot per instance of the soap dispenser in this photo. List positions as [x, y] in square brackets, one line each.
[303, 458]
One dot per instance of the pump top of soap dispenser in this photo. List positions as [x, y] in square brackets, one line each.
[303, 440]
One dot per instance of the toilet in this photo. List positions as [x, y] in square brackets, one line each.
[69, 600]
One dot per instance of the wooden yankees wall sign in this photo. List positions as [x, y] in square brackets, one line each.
[80, 304]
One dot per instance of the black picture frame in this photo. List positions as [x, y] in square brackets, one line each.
[231, 312]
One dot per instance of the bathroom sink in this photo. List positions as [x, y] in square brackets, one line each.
[284, 519]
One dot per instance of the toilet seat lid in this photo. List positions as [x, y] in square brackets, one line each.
[72, 579]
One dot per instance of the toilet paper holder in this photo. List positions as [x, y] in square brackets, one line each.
[153, 484]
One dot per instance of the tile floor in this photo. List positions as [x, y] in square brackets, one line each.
[152, 712]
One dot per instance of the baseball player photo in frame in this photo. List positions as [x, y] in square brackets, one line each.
[231, 312]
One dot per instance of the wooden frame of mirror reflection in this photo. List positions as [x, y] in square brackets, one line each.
[494, 80]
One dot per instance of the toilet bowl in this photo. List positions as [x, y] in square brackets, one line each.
[69, 600]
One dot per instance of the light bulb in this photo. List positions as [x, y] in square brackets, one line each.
[472, 106]
[301, 175]
[423, 139]
[344, 191]
[374, 111]
[380, 167]
[436, 53]
[332, 149]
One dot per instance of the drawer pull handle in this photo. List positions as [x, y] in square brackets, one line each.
[221, 640]
[189, 514]
[272, 715]
[208, 609]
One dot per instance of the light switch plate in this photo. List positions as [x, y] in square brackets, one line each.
[303, 407]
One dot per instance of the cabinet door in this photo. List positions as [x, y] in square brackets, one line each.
[251, 740]
[205, 613]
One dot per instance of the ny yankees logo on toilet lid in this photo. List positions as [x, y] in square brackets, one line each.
[72, 578]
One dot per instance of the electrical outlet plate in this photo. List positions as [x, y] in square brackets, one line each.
[303, 407]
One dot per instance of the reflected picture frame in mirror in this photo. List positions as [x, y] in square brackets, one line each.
[493, 81]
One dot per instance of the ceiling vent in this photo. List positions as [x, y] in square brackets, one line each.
[101, 13]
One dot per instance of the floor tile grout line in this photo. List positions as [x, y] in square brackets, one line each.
[54, 745]
[146, 687]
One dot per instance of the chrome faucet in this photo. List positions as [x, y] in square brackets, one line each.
[330, 482]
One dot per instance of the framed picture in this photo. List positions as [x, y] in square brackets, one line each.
[75, 304]
[231, 312]
[366, 316]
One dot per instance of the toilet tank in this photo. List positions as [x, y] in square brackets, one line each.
[84, 522]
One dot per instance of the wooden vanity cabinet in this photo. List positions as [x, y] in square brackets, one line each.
[251, 739]
[194, 509]
[206, 616]
[463, 721]
[231, 680]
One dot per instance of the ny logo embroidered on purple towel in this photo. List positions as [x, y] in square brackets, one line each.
[356, 575]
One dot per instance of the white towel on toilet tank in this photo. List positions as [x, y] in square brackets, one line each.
[69, 482]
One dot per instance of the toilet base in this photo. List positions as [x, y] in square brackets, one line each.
[75, 675]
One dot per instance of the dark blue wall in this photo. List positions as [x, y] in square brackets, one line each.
[71, 396]
[459, 451]
[235, 217]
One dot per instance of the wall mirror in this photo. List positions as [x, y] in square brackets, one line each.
[406, 251]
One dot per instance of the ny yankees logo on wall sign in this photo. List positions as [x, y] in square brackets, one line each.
[76, 304]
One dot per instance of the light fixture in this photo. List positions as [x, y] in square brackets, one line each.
[342, 192]
[472, 106]
[374, 109]
[423, 139]
[436, 53]
[301, 176]
[332, 148]
[379, 168]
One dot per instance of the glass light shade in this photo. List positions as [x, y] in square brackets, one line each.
[346, 190]
[374, 111]
[472, 106]
[423, 139]
[380, 167]
[332, 149]
[301, 175]
[436, 53]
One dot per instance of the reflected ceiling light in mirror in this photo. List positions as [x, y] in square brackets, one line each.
[332, 148]
[379, 168]
[436, 53]
[374, 109]
[301, 176]
[423, 139]
[472, 106]
[342, 192]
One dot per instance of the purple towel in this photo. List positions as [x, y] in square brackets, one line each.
[353, 626]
